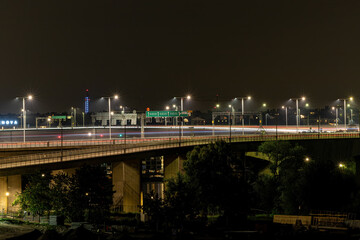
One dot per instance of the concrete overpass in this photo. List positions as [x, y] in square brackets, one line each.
[126, 158]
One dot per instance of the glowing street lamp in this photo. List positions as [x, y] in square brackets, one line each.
[298, 110]
[243, 109]
[264, 105]
[182, 101]
[286, 114]
[24, 114]
[233, 113]
[110, 113]
[188, 97]
[345, 99]
[336, 116]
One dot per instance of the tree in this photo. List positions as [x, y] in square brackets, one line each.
[286, 164]
[211, 170]
[36, 198]
[90, 194]
[323, 185]
[87, 195]
[181, 202]
[60, 194]
[282, 154]
[154, 207]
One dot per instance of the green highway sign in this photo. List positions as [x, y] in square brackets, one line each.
[167, 114]
[58, 117]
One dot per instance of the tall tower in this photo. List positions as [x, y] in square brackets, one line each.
[87, 101]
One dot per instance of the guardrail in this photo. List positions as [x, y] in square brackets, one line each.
[105, 148]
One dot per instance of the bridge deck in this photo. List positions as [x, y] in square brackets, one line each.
[106, 148]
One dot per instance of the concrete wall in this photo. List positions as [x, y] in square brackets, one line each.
[126, 180]
[172, 165]
[12, 186]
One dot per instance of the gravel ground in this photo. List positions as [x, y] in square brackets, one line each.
[8, 230]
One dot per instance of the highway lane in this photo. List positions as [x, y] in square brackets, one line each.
[134, 132]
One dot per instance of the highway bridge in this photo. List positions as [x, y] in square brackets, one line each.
[75, 147]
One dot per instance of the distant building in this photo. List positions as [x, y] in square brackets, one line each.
[102, 119]
[87, 101]
[198, 121]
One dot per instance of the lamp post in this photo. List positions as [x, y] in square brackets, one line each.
[123, 109]
[297, 110]
[264, 105]
[109, 103]
[83, 118]
[174, 119]
[182, 109]
[243, 109]
[336, 116]
[182, 101]
[24, 114]
[233, 113]
[308, 115]
[166, 108]
[286, 115]
[345, 99]
[73, 113]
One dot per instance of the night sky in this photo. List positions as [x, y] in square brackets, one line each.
[151, 51]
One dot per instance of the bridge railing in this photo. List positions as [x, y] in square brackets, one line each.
[129, 141]
[116, 147]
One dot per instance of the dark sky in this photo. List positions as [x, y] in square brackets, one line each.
[150, 51]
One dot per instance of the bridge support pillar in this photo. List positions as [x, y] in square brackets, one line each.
[9, 187]
[126, 181]
[173, 165]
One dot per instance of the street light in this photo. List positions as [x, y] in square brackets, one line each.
[233, 113]
[188, 97]
[336, 116]
[345, 99]
[243, 109]
[297, 110]
[24, 114]
[73, 119]
[182, 101]
[264, 105]
[123, 109]
[110, 113]
[286, 114]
